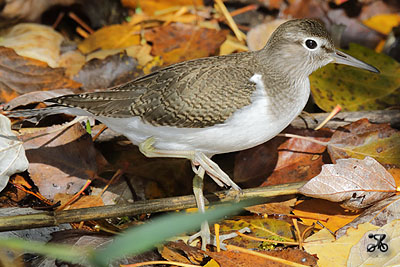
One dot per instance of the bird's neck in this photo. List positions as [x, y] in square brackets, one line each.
[288, 86]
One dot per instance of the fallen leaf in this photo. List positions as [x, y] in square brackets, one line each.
[111, 71]
[299, 160]
[20, 75]
[356, 183]
[354, 89]
[60, 162]
[362, 138]
[179, 42]
[111, 37]
[35, 97]
[331, 252]
[379, 214]
[260, 227]
[83, 201]
[329, 214]
[12, 153]
[258, 36]
[152, 6]
[377, 247]
[234, 259]
[272, 208]
[383, 23]
[281, 160]
[179, 251]
[72, 61]
[34, 41]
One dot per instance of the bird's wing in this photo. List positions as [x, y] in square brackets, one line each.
[193, 94]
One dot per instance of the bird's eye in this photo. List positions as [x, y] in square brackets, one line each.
[311, 44]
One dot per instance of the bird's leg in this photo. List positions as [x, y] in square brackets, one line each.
[204, 233]
[196, 157]
[206, 165]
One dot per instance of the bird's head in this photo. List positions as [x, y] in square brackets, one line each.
[304, 45]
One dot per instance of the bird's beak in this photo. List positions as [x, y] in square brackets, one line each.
[342, 58]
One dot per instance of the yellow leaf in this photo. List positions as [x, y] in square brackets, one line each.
[111, 37]
[383, 23]
[332, 253]
[356, 89]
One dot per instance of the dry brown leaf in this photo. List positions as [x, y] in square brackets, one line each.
[179, 42]
[379, 214]
[20, 75]
[331, 252]
[356, 183]
[329, 214]
[60, 162]
[82, 202]
[281, 207]
[378, 247]
[281, 160]
[104, 73]
[234, 259]
[34, 41]
[362, 138]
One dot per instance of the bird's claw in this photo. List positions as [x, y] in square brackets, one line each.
[146, 147]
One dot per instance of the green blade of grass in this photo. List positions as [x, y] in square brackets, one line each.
[142, 238]
[57, 251]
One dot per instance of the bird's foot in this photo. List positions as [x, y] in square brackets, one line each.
[209, 239]
[204, 234]
[213, 170]
[147, 147]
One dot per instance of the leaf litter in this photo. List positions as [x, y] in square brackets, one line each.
[296, 161]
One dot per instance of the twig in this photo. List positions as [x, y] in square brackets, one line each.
[44, 219]
[335, 111]
[239, 35]
[73, 16]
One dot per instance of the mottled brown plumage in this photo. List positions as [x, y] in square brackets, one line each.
[202, 92]
[197, 93]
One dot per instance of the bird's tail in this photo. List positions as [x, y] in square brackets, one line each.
[40, 112]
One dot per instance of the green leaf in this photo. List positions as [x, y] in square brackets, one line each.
[142, 238]
[356, 89]
[62, 252]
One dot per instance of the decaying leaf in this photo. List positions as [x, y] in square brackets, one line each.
[34, 41]
[12, 153]
[111, 37]
[330, 214]
[113, 70]
[383, 23]
[152, 6]
[379, 214]
[354, 89]
[331, 252]
[362, 138]
[60, 162]
[179, 42]
[266, 228]
[20, 75]
[233, 258]
[356, 183]
[377, 247]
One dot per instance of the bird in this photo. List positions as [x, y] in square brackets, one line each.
[199, 108]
